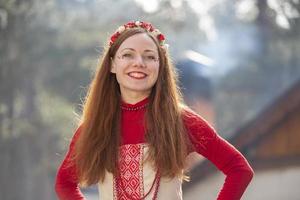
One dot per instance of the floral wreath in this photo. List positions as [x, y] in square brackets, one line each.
[135, 24]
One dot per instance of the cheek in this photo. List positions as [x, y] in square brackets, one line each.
[119, 69]
[156, 71]
[118, 73]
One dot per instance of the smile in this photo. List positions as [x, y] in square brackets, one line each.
[137, 75]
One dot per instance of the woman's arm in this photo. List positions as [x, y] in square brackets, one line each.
[66, 185]
[222, 154]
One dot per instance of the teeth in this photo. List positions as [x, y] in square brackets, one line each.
[137, 74]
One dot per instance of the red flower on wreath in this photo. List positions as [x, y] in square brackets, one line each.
[161, 37]
[130, 25]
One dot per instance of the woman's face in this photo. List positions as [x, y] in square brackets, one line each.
[136, 65]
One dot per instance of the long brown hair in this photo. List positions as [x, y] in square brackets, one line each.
[97, 148]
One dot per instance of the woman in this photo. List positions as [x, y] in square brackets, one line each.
[135, 132]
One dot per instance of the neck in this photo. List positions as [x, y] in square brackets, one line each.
[133, 98]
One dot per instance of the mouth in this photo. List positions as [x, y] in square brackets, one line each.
[137, 75]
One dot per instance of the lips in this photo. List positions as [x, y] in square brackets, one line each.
[137, 75]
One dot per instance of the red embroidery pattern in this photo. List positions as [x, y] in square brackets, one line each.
[131, 172]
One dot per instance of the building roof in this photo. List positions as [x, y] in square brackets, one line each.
[246, 138]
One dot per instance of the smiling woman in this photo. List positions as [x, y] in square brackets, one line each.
[136, 66]
[136, 133]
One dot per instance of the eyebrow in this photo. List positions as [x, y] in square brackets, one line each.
[132, 49]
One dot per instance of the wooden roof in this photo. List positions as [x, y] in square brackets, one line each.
[246, 138]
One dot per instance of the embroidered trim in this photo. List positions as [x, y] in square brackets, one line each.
[134, 108]
[128, 181]
[115, 193]
[141, 175]
[133, 188]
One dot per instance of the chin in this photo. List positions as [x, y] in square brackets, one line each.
[139, 89]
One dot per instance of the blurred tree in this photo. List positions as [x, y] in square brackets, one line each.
[24, 132]
[264, 56]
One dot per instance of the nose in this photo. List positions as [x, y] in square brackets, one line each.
[139, 61]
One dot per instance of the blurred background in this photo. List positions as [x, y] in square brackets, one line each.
[239, 66]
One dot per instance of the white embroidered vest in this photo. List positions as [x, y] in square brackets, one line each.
[138, 177]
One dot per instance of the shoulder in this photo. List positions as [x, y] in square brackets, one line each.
[200, 132]
[195, 122]
[76, 134]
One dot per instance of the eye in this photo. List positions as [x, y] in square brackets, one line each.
[151, 57]
[127, 55]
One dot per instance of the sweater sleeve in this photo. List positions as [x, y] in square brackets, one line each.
[66, 184]
[222, 154]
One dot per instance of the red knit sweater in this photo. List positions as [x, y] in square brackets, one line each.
[203, 137]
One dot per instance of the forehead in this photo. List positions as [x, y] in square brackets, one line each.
[139, 42]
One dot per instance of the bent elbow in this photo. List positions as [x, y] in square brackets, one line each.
[251, 173]
[248, 174]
